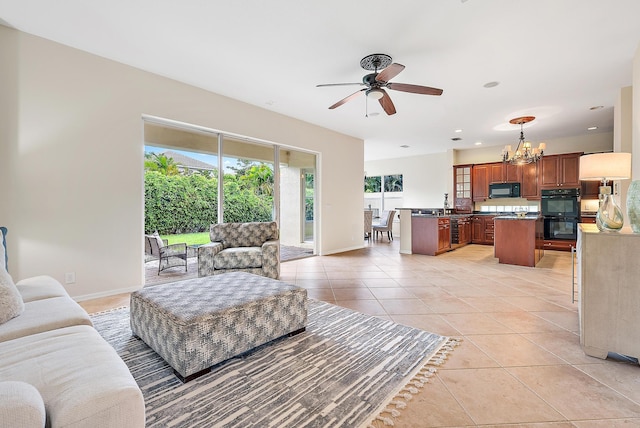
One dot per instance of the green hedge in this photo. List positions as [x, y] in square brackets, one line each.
[188, 203]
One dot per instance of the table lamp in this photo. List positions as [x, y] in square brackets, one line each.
[606, 166]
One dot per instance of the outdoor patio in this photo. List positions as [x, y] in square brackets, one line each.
[177, 273]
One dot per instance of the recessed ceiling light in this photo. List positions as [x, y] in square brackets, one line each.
[491, 84]
[596, 107]
[592, 128]
[404, 146]
[477, 143]
[458, 130]
[456, 139]
[374, 114]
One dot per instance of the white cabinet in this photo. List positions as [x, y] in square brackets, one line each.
[609, 291]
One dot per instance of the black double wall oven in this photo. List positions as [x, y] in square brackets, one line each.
[561, 213]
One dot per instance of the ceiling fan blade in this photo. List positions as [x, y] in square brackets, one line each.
[387, 104]
[344, 100]
[415, 89]
[390, 72]
[339, 84]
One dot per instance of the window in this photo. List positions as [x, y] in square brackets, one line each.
[258, 181]
[372, 184]
[393, 183]
[379, 197]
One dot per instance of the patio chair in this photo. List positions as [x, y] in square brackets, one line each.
[168, 255]
[385, 224]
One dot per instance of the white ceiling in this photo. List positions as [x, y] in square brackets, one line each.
[554, 59]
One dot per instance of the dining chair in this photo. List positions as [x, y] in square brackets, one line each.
[368, 224]
[385, 225]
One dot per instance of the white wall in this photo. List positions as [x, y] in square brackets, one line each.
[590, 143]
[622, 130]
[71, 153]
[425, 178]
[635, 145]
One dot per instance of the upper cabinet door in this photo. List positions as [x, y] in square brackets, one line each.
[462, 186]
[512, 173]
[480, 182]
[549, 174]
[496, 174]
[530, 181]
[560, 171]
[500, 172]
[570, 167]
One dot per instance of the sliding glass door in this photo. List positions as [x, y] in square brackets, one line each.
[231, 179]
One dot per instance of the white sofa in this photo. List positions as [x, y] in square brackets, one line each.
[57, 371]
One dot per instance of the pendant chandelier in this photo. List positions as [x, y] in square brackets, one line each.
[524, 153]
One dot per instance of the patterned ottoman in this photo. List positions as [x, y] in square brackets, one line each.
[197, 323]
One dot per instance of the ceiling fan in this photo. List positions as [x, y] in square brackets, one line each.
[376, 82]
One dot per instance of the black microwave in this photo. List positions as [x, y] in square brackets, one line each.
[504, 190]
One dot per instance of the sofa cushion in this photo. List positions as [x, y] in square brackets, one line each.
[11, 304]
[252, 234]
[44, 315]
[40, 287]
[80, 377]
[238, 258]
[21, 405]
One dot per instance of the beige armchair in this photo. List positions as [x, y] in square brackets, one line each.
[385, 224]
[247, 247]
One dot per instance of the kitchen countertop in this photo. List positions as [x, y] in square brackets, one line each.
[515, 217]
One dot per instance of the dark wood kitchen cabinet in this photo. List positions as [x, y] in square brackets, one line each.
[482, 229]
[530, 188]
[591, 189]
[462, 200]
[430, 235]
[495, 172]
[464, 230]
[480, 183]
[561, 171]
[504, 172]
[519, 241]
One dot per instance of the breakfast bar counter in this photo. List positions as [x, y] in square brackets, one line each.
[519, 240]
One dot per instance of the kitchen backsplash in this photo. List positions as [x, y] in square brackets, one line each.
[507, 205]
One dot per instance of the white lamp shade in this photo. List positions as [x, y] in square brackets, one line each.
[612, 166]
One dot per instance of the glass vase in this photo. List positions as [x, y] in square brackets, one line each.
[609, 217]
[633, 205]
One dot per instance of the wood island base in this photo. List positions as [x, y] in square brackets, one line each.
[519, 241]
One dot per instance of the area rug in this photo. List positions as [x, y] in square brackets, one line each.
[347, 369]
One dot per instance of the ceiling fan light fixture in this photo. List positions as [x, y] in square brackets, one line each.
[375, 93]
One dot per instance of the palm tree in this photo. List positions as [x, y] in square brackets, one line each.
[161, 163]
[259, 178]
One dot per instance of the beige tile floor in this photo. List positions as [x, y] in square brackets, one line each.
[519, 363]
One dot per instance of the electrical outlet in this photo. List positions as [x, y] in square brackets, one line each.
[70, 277]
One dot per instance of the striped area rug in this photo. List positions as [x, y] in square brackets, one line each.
[346, 370]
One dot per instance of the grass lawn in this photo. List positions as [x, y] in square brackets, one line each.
[189, 238]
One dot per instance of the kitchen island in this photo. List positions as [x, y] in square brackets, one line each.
[518, 240]
[432, 231]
